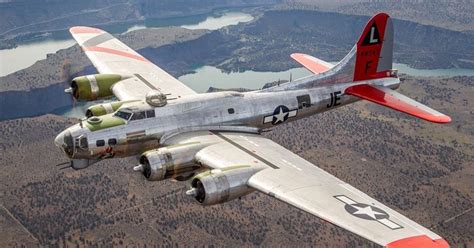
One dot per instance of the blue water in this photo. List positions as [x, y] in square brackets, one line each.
[27, 53]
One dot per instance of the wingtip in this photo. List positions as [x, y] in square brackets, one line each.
[421, 241]
[296, 55]
[444, 119]
[84, 30]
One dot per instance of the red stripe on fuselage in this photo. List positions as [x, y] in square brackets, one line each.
[115, 52]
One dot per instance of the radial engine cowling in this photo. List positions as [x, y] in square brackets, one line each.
[163, 163]
[103, 109]
[221, 185]
[93, 87]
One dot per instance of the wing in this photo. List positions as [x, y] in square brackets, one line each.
[311, 63]
[392, 99]
[294, 180]
[109, 55]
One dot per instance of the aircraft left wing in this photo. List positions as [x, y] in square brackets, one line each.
[111, 56]
[289, 178]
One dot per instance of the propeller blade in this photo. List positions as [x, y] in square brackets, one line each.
[68, 162]
[65, 167]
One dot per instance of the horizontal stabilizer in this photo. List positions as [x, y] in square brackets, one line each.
[311, 63]
[392, 99]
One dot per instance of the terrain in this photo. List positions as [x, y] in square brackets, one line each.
[453, 14]
[237, 48]
[23, 20]
[422, 170]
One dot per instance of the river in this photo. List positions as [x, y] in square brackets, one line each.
[27, 53]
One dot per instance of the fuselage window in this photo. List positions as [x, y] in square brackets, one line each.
[123, 115]
[99, 143]
[138, 116]
[150, 114]
[231, 111]
[112, 142]
[304, 101]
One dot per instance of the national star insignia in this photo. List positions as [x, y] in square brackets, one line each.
[368, 211]
[280, 115]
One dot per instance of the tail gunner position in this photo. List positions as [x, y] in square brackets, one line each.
[214, 139]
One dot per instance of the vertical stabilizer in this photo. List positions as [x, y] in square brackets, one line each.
[375, 49]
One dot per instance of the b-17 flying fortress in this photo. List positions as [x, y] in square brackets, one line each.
[213, 140]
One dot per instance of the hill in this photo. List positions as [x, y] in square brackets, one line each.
[453, 14]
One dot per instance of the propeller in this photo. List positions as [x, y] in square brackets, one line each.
[67, 75]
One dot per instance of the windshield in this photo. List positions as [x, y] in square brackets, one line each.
[123, 115]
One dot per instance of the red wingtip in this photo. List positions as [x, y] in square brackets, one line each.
[313, 64]
[422, 241]
[389, 98]
[84, 30]
[443, 119]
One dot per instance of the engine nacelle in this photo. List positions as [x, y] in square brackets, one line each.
[221, 185]
[103, 109]
[93, 87]
[174, 162]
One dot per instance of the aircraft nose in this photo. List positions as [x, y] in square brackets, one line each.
[64, 141]
[59, 140]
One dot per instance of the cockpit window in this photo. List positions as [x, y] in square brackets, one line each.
[150, 113]
[138, 116]
[123, 115]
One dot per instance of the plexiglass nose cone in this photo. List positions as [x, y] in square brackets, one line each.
[59, 140]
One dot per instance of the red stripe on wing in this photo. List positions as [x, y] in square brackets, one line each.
[115, 52]
[422, 241]
[375, 95]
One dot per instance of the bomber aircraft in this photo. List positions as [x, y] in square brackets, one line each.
[213, 140]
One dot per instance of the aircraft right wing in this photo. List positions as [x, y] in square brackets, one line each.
[311, 63]
[291, 179]
[110, 56]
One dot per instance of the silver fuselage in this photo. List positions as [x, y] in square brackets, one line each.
[252, 111]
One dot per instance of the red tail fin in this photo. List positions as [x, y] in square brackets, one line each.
[375, 49]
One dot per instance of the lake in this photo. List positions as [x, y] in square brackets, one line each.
[27, 53]
[210, 76]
